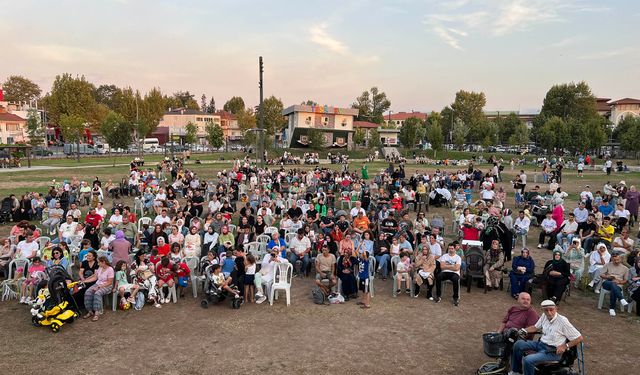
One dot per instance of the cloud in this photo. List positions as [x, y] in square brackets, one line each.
[58, 53]
[521, 14]
[320, 36]
[447, 37]
[566, 42]
[603, 55]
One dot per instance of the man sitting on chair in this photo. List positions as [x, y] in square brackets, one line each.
[558, 336]
[326, 269]
[449, 270]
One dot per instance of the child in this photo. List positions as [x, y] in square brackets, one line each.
[402, 271]
[228, 264]
[222, 281]
[176, 254]
[395, 247]
[182, 271]
[363, 275]
[36, 274]
[122, 284]
[154, 257]
[249, 277]
[580, 168]
[164, 271]
[85, 246]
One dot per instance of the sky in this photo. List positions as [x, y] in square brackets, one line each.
[420, 52]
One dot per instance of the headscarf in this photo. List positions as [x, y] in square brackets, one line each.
[553, 259]
[119, 235]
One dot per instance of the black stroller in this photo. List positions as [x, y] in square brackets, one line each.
[215, 295]
[58, 307]
[5, 210]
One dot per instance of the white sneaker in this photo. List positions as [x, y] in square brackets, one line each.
[514, 373]
[592, 283]
[165, 301]
[261, 299]
[539, 246]
[612, 312]
[623, 302]
[597, 291]
[28, 300]
[23, 299]
[157, 305]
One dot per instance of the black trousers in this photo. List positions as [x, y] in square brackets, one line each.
[552, 239]
[455, 280]
[556, 287]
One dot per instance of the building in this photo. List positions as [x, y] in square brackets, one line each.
[623, 108]
[176, 121]
[336, 124]
[388, 137]
[526, 118]
[603, 107]
[230, 127]
[399, 118]
[13, 128]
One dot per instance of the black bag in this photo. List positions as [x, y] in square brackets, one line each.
[318, 296]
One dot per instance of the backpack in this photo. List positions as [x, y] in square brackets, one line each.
[318, 296]
[139, 301]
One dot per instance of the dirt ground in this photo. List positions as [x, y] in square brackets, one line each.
[411, 336]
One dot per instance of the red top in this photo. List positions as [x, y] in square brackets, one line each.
[517, 317]
[163, 250]
[93, 220]
[470, 233]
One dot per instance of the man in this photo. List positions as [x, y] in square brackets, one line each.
[198, 202]
[74, 211]
[581, 213]
[615, 276]
[361, 222]
[278, 243]
[389, 226]
[569, 228]
[326, 269]
[264, 278]
[523, 179]
[605, 208]
[449, 270]
[130, 230]
[587, 232]
[605, 231]
[67, 229]
[548, 227]
[294, 211]
[27, 248]
[556, 331]
[300, 247]
[85, 193]
[358, 208]
[93, 218]
[522, 224]
[521, 315]
[623, 243]
[162, 218]
[215, 205]
[55, 215]
[327, 222]
[100, 210]
[586, 196]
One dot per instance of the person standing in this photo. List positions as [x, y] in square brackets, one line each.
[558, 336]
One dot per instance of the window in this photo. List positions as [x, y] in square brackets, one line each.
[9, 140]
[13, 127]
[208, 119]
[325, 121]
[304, 139]
[344, 122]
[308, 120]
[198, 118]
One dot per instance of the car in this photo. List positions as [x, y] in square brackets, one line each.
[41, 151]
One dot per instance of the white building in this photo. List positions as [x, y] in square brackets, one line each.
[335, 123]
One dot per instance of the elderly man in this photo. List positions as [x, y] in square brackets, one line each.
[568, 229]
[548, 227]
[67, 229]
[300, 247]
[558, 336]
[264, 278]
[357, 209]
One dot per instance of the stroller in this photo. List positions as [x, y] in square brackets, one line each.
[215, 294]
[55, 306]
[5, 210]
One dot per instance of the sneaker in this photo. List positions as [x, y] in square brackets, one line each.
[165, 301]
[157, 305]
[398, 291]
[28, 300]
[438, 299]
[456, 302]
[612, 312]
[623, 302]
[261, 299]
[430, 298]
[592, 283]
[23, 300]
[597, 291]
[131, 300]
[416, 295]
[236, 296]
[407, 291]
[539, 246]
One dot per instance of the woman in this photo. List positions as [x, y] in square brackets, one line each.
[192, 243]
[176, 236]
[87, 275]
[522, 269]
[381, 252]
[346, 275]
[120, 248]
[103, 285]
[556, 273]
[634, 283]
[57, 258]
[366, 244]
[157, 233]
[493, 262]
[115, 219]
[632, 198]
[346, 245]
[7, 251]
[91, 235]
[259, 225]
[145, 277]
[425, 265]
[575, 257]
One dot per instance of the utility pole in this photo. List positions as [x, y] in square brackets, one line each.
[260, 148]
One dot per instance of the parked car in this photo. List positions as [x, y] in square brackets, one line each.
[41, 151]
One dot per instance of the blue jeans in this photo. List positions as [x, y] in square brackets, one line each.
[544, 353]
[616, 293]
[518, 282]
[293, 258]
[382, 260]
[561, 236]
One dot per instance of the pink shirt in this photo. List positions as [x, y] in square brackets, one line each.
[104, 274]
[558, 215]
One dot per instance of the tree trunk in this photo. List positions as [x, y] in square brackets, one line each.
[78, 150]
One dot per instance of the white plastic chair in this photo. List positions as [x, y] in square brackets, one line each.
[345, 198]
[193, 263]
[282, 278]
[263, 238]
[605, 293]
[301, 202]
[232, 228]
[289, 237]
[253, 248]
[270, 230]
[42, 242]
[142, 221]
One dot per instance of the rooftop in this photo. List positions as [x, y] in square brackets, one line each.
[186, 111]
[626, 101]
[226, 115]
[10, 117]
[401, 116]
[320, 109]
[365, 125]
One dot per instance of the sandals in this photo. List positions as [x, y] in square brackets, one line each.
[95, 318]
[87, 315]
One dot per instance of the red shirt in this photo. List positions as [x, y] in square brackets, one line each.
[184, 270]
[163, 250]
[470, 233]
[164, 273]
[93, 220]
[518, 318]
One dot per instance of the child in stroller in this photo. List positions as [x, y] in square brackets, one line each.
[220, 288]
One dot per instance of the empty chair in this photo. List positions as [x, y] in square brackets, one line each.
[269, 231]
[475, 266]
[281, 281]
[193, 263]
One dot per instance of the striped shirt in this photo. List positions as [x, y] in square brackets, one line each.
[556, 331]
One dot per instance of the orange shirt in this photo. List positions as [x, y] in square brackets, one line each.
[361, 223]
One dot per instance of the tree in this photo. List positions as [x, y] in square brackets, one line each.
[234, 105]
[107, 95]
[274, 121]
[20, 89]
[72, 127]
[435, 136]
[374, 139]
[316, 139]
[359, 137]
[152, 111]
[411, 132]
[185, 99]
[247, 123]
[622, 127]
[70, 96]
[448, 119]
[35, 128]
[547, 133]
[468, 107]
[570, 101]
[459, 133]
[203, 103]
[215, 136]
[190, 133]
[630, 136]
[520, 136]
[211, 108]
[507, 126]
[309, 102]
[372, 105]
[116, 131]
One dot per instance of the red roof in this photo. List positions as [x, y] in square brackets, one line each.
[226, 115]
[365, 125]
[602, 104]
[10, 117]
[626, 101]
[406, 115]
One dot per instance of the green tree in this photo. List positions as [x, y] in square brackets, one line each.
[570, 101]
[507, 127]
[203, 103]
[459, 133]
[35, 128]
[520, 136]
[190, 133]
[547, 133]
[372, 105]
[20, 89]
[185, 99]
[116, 131]
[630, 136]
[309, 102]
[211, 108]
[447, 122]
[374, 139]
[411, 132]
[247, 123]
[468, 108]
[316, 139]
[234, 105]
[359, 137]
[72, 127]
[215, 136]
[435, 136]
[107, 95]
[70, 96]
[274, 121]
[622, 127]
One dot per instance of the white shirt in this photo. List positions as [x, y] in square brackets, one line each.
[435, 249]
[622, 213]
[450, 260]
[594, 260]
[354, 211]
[214, 206]
[102, 212]
[68, 229]
[161, 220]
[586, 194]
[556, 331]
[26, 249]
[299, 246]
[487, 194]
[570, 227]
[581, 215]
[523, 224]
[523, 179]
[549, 225]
